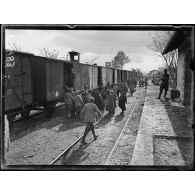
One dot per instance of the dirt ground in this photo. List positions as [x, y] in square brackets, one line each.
[40, 141]
[123, 151]
[169, 150]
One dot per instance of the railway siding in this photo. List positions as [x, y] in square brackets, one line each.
[108, 131]
[48, 138]
[123, 151]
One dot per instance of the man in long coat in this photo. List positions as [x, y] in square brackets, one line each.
[69, 101]
[88, 114]
[109, 102]
[78, 101]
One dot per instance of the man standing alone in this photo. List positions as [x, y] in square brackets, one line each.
[165, 84]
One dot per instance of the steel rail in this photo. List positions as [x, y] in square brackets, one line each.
[74, 143]
[108, 158]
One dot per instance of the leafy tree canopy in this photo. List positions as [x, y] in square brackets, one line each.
[120, 60]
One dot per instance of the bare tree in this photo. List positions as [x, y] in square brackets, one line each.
[91, 60]
[158, 44]
[45, 52]
[15, 46]
[65, 57]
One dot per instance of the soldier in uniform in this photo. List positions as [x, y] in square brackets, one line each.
[164, 85]
[122, 102]
[88, 114]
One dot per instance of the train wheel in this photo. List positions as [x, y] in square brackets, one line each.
[25, 113]
[48, 111]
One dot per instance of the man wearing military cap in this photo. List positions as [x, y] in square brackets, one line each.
[88, 114]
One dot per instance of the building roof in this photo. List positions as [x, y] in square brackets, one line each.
[175, 41]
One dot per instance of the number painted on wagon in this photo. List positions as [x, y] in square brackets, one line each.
[9, 62]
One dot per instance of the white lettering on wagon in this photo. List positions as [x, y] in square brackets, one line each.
[9, 62]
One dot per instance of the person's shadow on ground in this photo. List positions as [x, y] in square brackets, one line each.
[76, 156]
[118, 118]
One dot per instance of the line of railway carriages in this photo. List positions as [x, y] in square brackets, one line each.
[38, 83]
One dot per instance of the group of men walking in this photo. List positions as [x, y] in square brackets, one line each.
[87, 105]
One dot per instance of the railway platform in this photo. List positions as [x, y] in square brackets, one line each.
[165, 135]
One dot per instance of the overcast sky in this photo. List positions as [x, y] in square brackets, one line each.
[101, 44]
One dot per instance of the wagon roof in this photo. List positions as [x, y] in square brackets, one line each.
[20, 52]
[64, 61]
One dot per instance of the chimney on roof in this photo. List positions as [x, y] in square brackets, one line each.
[74, 56]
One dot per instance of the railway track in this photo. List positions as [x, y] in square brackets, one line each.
[31, 116]
[116, 143]
[72, 145]
[18, 119]
[113, 148]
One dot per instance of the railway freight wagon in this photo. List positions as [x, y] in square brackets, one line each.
[128, 75]
[109, 75]
[104, 76]
[86, 76]
[119, 76]
[48, 83]
[32, 83]
[116, 78]
[93, 77]
[18, 83]
[125, 76]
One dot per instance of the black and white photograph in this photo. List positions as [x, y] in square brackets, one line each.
[97, 97]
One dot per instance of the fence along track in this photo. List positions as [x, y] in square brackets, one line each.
[107, 160]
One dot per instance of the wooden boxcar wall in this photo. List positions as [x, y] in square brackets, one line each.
[131, 74]
[128, 75]
[18, 81]
[77, 70]
[39, 76]
[104, 76]
[54, 80]
[93, 77]
[125, 76]
[86, 75]
[118, 76]
[109, 75]
[116, 79]
[48, 79]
